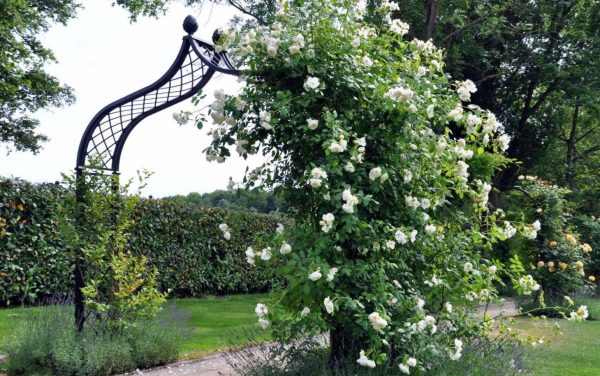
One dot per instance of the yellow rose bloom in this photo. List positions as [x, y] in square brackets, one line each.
[592, 279]
[553, 244]
[563, 265]
[551, 264]
[540, 264]
[579, 264]
[571, 239]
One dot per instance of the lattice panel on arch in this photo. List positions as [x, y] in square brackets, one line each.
[111, 126]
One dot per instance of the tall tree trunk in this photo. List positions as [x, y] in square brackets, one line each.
[431, 17]
[570, 173]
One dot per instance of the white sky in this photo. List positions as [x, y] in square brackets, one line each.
[104, 57]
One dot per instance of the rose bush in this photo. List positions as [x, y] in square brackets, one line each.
[386, 168]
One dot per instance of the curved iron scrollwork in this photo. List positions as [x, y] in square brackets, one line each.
[195, 64]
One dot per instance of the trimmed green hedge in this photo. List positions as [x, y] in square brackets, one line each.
[192, 257]
[34, 262]
[183, 242]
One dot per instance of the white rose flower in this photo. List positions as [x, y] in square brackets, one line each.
[492, 269]
[328, 303]
[375, 173]
[411, 362]
[407, 176]
[412, 202]
[264, 323]
[280, 228]
[315, 276]
[285, 249]
[311, 83]
[430, 229]
[448, 307]
[441, 144]
[294, 49]
[367, 62]
[537, 225]
[315, 183]
[420, 303]
[364, 361]
[468, 267]
[404, 368]
[413, 236]
[223, 227]
[331, 274]
[261, 310]
[349, 167]
[399, 27]
[312, 124]
[401, 237]
[266, 254]
[425, 203]
[305, 312]
[377, 321]
[227, 235]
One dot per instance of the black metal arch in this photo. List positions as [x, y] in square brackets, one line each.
[194, 66]
[105, 136]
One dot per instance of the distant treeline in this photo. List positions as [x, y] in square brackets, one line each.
[255, 200]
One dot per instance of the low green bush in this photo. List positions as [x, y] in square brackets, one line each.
[47, 344]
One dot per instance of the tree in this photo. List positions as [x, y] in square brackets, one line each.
[24, 85]
[519, 54]
[389, 204]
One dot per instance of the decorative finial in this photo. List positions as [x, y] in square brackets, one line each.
[190, 25]
[216, 35]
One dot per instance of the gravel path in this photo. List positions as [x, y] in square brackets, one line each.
[216, 365]
[210, 366]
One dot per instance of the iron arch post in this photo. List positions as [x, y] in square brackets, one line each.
[105, 136]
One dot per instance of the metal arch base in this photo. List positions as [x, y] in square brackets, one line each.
[107, 132]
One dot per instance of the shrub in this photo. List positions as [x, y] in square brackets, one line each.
[35, 262]
[180, 240]
[47, 343]
[589, 230]
[555, 256]
[386, 169]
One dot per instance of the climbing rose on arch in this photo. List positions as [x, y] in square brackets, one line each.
[366, 159]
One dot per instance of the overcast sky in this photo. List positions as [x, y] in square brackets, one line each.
[104, 57]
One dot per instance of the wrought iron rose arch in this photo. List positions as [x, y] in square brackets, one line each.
[105, 136]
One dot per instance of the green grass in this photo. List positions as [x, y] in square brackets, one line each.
[215, 323]
[574, 353]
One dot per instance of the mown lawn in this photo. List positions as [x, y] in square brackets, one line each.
[574, 353]
[214, 323]
[217, 323]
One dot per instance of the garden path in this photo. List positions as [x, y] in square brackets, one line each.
[216, 365]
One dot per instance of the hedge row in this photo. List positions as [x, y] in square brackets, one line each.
[183, 242]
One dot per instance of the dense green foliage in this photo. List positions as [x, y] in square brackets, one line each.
[535, 64]
[253, 200]
[25, 86]
[34, 259]
[190, 252]
[560, 262]
[46, 343]
[181, 241]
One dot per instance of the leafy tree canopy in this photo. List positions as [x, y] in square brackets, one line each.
[25, 86]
